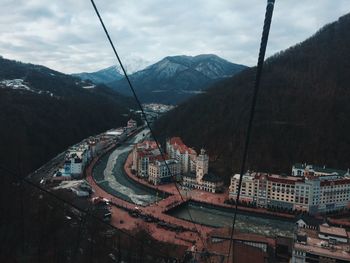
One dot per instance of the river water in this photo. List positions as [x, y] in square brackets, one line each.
[221, 217]
[109, 174]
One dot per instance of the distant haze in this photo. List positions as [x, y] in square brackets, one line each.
[66, 34]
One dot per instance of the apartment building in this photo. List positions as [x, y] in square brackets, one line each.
[185, 155]
[312, 194]
[265, 190]
[202, 179]
[75, 160]
[334, 194]
[160, 172]
[143, 153]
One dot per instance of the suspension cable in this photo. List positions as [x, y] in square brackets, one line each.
[263, 44]
[144, 115]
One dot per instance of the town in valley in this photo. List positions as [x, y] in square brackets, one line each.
[312, 197]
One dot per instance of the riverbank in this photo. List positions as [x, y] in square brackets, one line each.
[123, 219]
[216, 200]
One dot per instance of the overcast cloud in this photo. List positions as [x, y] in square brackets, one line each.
[67, 36]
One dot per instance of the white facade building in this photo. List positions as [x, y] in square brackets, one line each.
[158, 171]
[312, 194]
[202, 179]
[77, 157]
[186, 156]
[202, 165]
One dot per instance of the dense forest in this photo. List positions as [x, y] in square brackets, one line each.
[302, 112]
[56, 112]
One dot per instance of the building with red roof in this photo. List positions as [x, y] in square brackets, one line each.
[149, 163]
[143, 153]
[185, 155]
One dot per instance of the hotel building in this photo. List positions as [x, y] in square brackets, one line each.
[186, 156]
[312, 194]
[202, 179]
[160, 172]
[143, 153]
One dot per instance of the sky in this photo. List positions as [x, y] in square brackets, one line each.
[66, 35]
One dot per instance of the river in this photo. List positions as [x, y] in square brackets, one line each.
[109, 174]
[221, 217]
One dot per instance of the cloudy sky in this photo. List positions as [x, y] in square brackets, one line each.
[67, 36]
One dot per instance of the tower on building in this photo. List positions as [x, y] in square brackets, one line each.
[201, 165]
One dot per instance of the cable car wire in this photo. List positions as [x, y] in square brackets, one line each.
[263, 45]
[143, 113]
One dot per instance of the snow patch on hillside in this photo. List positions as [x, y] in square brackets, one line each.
[20, 84]
[89, 87]
[15, 84]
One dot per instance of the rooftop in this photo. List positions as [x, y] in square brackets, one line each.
[160, 161]
[335, 181]
[320, 169]
[147, 144]
[190, 174]
[178, 144]
[321, 247]
[284, 179]
[225, 233]
[245, 176]
[309, 220]
[115, 132]
[271, 177]
[334, 231]
[153, 155]
[210, 177]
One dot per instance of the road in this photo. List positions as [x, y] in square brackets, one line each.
[48, 169]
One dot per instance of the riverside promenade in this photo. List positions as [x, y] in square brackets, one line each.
[216, 199]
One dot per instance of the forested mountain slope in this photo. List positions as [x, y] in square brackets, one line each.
[302, 112]
[43, 111]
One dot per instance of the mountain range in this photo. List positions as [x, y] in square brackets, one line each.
[102, 76]
[171, 80]
[113, 73]
[43, 111]
[302, 112]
